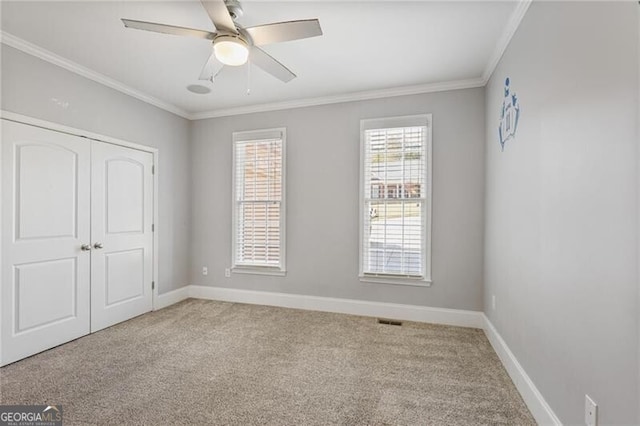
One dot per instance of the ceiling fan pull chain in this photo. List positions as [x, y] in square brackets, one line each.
[248, 76]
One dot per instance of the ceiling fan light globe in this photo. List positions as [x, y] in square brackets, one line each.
[231, 51]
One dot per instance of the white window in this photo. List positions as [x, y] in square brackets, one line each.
[395, 191]
[259, 201]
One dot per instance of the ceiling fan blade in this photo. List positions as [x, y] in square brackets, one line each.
[211, 68]
[270, 65]
[167, 29]
[219, 15]
[284, 31]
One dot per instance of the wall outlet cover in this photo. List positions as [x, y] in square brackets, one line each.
[227, 272]
[590, 411]
[205, 270]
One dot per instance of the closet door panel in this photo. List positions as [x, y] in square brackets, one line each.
[122, 214]
[45, 221]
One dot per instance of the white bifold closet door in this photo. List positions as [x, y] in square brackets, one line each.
[121, 220]
[46, 178]
[76, 237]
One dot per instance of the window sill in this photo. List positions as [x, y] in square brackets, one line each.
[257, 270]
[413, 282]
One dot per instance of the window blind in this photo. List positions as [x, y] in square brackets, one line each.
[258, 196]
[394, 186]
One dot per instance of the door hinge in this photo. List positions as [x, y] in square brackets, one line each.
[153, 169]
[153, 227]
[153, 285]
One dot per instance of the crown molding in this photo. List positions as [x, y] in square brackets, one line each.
[348, 97]
[507, 34]
[509, 30]
[48, 56]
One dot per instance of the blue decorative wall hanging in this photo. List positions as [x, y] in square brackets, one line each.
[509, 115]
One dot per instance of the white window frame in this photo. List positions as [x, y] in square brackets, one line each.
[392, 122]
[253, 135]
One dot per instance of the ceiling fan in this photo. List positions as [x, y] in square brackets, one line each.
[233, 44]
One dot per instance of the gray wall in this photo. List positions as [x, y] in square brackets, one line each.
[29, 86]
[561, 209]
[323, 199]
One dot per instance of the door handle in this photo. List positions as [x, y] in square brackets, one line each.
[97, 246]
[85, 247]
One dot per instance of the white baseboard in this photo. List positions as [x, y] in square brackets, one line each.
[343, 306]
[536, 403]
[169, 298]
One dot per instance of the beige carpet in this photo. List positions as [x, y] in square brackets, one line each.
[204, 362]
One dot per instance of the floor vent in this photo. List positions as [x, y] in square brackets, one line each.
[389, 322]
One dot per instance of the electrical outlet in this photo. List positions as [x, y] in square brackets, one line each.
[590, 411]
[493, 302]
[227, 272]
[205, 270]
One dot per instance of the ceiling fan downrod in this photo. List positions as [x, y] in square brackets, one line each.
[235, 9]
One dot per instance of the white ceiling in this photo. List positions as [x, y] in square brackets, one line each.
[367, 45]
